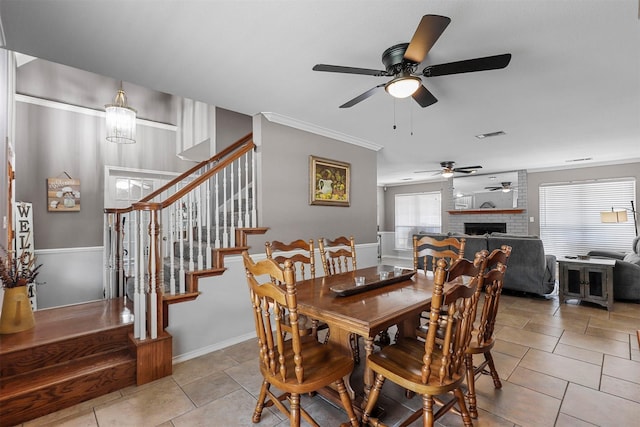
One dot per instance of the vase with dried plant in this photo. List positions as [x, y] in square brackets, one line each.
[16, 272]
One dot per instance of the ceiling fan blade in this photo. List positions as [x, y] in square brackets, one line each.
[349, 70]
[426, 35]
[469, 65]
[463, 168]
[361, 97]
[424, 97]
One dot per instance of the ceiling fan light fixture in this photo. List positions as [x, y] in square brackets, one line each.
[403, 86]
[447, 173]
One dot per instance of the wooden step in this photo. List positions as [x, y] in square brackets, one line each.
[74, 353]
[33, 394]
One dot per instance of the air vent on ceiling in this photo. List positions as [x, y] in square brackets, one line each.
[584, 159]
[490, 134]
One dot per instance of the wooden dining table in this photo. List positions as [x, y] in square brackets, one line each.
[366, 313]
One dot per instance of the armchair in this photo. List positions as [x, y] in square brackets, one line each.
[626, 272]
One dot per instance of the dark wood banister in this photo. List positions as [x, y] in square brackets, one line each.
[193, 184]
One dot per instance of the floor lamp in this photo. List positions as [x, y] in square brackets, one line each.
[620, 216]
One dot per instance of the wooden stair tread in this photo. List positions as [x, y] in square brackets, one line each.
[173, 299]
[40, 378]
[60, 323]
[32, 395]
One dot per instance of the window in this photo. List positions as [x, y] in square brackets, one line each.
[414, 213]
[570, 216]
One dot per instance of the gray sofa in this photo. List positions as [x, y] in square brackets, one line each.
[626, 272]
[529, 270]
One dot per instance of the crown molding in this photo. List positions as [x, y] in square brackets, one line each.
[319, 130]
[84, 110]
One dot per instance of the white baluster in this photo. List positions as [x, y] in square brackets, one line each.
[232, 228]
[153, 301]
[239, 197]
[225, 234]
[208, 216]
[216, 209]
[198, 196]
[180, 228]
[254, 215]
[246, 191]
[172, 259]
[141, 306]
[190, 232]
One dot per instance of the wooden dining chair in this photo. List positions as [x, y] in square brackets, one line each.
[294, 366]
[302, 254]
[427, 251]
[337, 255]
[435, 366]
[482, 340]
[304, 260]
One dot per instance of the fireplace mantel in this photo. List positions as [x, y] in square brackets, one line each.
[485, 211]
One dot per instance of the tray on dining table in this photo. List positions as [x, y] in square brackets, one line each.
[372, 281]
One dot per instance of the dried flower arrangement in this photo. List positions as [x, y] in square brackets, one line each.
[17, 271]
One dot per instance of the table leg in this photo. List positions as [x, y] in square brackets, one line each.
[368, 373]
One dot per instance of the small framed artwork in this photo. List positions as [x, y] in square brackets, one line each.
[63, 195]
[329, 182]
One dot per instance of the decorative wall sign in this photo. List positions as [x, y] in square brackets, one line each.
[329, 182]
[63, 195]
[24, 241]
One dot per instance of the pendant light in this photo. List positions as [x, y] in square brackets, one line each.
[121, 120]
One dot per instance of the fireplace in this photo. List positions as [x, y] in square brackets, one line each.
[475, 228]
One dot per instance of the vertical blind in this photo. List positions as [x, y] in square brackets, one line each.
[414, 213]
[570, 216]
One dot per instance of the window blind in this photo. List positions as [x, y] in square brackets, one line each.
[570, 216]
[414, 213]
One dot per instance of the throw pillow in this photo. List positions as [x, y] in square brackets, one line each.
[632, 258]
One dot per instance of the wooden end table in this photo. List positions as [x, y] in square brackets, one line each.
[588, 279]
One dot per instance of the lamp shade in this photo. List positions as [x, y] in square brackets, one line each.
[121, 120]
[613, 216]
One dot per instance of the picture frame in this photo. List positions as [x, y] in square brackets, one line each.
[329, 182]
[63, 195]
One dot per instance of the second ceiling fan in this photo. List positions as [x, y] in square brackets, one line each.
[402, 60]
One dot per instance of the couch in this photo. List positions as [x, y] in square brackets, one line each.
[529, 269]
[626, 272]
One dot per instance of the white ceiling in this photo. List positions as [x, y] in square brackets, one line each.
[571, 91]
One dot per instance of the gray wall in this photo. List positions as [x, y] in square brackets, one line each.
[230, 127]
[52, 141]
[284, 185]
[443, 186]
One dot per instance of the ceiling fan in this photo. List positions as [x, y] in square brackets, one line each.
[401, 62]
[448, 170]
[505, 187]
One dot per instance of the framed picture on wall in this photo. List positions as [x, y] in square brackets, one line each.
[63, 195]
[329, 182]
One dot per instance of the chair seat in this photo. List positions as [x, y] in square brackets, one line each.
[402, 363]
[475, 348]
[321, 361]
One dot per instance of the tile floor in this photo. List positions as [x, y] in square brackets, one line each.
[569, 365]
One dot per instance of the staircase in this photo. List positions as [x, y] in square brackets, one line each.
[75, 353]
[155, 253]
[159, 248]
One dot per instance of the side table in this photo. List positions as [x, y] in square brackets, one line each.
[587, 279]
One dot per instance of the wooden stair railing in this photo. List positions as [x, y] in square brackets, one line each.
[161, 245]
